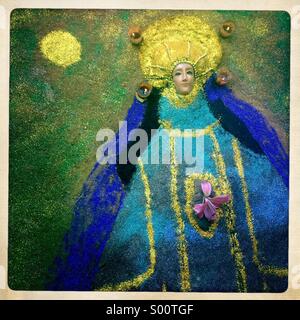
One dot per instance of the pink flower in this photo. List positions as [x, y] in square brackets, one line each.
[209, 205]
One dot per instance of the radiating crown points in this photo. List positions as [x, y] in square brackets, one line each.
[179, 39]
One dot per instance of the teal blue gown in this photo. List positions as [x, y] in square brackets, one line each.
[159, 244]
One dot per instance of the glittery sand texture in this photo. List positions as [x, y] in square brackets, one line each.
[73, 72]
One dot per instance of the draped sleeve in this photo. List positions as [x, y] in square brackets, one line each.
[249, 125]
[94, 215]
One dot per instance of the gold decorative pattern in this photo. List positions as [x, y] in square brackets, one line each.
[182, 245]
[190, 191]
[187, 134]
[230, 218]
[228, 211]
[178, 100]
[174, 40]
[180, 39]
[137, 281]
[268, 270]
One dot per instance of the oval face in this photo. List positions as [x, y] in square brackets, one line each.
[183, 77]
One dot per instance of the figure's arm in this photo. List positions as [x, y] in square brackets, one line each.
[133, 120]
[142, 114]
[248, 124]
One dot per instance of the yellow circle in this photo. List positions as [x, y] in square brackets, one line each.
[61, 48]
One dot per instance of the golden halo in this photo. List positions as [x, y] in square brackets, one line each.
[179, 39]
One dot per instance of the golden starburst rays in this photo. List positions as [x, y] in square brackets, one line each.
[179, 39]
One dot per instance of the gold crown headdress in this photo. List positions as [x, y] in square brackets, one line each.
[175, 40]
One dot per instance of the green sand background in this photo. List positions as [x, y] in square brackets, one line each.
[56, 112]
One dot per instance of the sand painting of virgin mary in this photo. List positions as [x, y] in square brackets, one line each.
[220, 226]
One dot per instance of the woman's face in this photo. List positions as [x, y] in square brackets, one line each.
[183, 77]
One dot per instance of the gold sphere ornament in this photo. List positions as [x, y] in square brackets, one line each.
[227, 28]
[144, 89]
[135, 35]
[223, 76]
